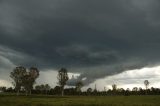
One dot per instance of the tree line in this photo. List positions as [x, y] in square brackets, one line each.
[24, 80]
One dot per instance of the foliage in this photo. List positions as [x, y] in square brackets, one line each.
[24, 78]
[79, 85]
[62, 78]
[146, 83]
[114, 87]
[43, 88]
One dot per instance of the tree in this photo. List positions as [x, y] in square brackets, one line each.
[27, 83]
[146, 83]
[47, 88]
[23, 78]
[42, 88]
[30, 78]
[79, 85]
[127, 92]
[38, 89]
[114, 87]
[10, 89]
[135, 89]
[17, 75]
[3, 89]
[89, 91]
[62, 78]
[57, 90]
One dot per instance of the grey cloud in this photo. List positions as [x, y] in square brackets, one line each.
[90, 74]
[5, 67]
[94, 38]
[83, 55]
[15, 57]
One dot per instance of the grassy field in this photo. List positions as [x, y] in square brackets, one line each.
[11, 100]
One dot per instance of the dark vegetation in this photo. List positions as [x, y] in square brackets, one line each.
[24, 80]
[89, 92]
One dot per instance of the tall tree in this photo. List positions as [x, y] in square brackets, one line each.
[23, 78]
[62, 78]
[29, 79]
[79, 85]
[17, 75]
[146, 83]
[47, 88]
[114, 87]
[89, 91]
[135, 89]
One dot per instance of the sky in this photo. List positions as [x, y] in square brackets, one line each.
[99, 41]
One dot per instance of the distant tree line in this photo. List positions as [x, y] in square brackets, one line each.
[89, 92]
[24, 80]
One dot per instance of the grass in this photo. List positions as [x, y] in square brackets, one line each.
[11, 100]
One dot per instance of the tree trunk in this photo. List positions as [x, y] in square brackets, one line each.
[146, 90]
[17, 92]
[26, 93]
[46, 92]
[62, 90]
[30, 92]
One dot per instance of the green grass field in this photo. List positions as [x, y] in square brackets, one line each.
[11, 100]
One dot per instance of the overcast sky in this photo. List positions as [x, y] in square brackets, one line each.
[99, 40]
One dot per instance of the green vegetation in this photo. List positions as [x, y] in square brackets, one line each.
[44, 95]
[34, 100]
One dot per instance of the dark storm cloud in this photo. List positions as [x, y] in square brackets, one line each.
[94, 38]
[81, 55]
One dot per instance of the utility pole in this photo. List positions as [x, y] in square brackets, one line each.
[104, 89]
[95, 87]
